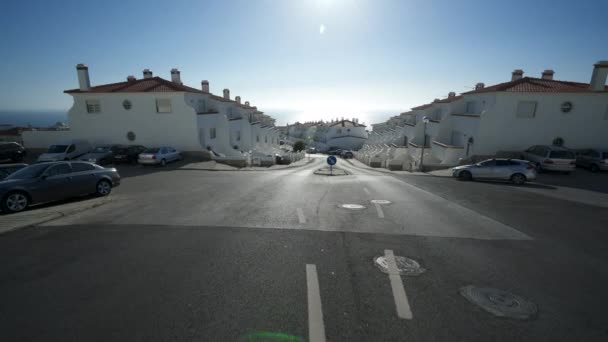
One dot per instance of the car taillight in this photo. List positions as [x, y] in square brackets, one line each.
[548, 161]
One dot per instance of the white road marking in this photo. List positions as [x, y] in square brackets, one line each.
[379, 210]
[301, 216]
[401, 303]
[366, 191]
[316, 327]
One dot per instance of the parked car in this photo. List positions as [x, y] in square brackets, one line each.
[54, 181]
[551, 158]
[128, 154]
[514, 170]
[311, 150]
[594, 160]
[282, 160]
[67, 150]
[347, 154]
[101, 155]
[12, 151]
[334, 152]
[7, 169]
[159, 155]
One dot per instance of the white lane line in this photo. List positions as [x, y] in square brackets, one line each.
[301, 216]
[401, 303]
[379, 210]
[316, 328]
[366, 191]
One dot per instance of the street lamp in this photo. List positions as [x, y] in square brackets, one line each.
[425, 120]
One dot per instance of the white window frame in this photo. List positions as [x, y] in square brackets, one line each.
[470, 107]
[93, 106]
[163, 106]
[526, 109]
[212, 133]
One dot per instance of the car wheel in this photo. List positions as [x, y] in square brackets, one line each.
[518, 179]
[104, 187]
[465, 176]
[15, 202]
[594, 168]
[163, 162]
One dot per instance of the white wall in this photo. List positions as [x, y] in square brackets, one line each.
[177, 129]
[585, 126]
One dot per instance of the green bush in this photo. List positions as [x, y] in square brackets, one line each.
[299, 146]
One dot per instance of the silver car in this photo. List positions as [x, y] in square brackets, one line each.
[594, 160]
[159, 156]
[54, 181]
[551, 158]
[514, 170]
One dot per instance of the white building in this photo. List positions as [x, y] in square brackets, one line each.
[509, 116]
[346, 135]
[152, 111]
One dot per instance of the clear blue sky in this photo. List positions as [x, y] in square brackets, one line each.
[371, 55]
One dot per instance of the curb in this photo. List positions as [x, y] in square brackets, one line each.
[51, 216]
[247, 169]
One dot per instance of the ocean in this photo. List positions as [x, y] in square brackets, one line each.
[43, 118]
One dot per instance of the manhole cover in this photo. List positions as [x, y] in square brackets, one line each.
[352, 206]
[499, 303]
[405, 266]
[381, 202]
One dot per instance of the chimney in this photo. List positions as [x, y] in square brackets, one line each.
[598, 78]
[147, 73]
[451, 94]
[205, 86]
[83, 77]
[131, 78]
[227, 94]
[479, 86]
[175, 78]
[238, 99]
[517, 74]
[547, 74]
[246, 103]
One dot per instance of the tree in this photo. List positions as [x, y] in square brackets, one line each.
[299, 146]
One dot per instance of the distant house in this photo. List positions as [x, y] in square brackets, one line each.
[153, 111]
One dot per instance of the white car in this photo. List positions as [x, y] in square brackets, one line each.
[66, 150]
[159, 156]
[551, 158]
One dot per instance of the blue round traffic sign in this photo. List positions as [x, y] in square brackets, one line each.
[331, 160]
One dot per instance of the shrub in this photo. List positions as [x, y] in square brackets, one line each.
[299, 146]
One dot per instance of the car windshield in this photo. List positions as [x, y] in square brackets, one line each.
[101, 149]
[57, 148]
[151, 150]
[562, 155]
[29, 172]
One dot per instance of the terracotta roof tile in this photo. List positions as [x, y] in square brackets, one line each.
[537, 85]
[424, 106]
[449, 99]
[154, 84]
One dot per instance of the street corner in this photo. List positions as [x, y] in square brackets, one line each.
[48, 212]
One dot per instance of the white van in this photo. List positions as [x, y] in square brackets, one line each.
[66, 150]
[551, 158]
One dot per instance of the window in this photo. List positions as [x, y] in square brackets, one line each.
[238, 135]
[202, 107]
[163, 105]
[526, 109]
[562, 155]
[61, 169]
[212, 133]
[487, 163]
[126, 104]
[504, 163]
[81, 167]
[471, 107]
[257, 138]
[93, 106]
[163, 151]
[339, 131]
[266, 139]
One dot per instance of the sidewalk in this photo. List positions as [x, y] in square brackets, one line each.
[215, 166]
[38, 215]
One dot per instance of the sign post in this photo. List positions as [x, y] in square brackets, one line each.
[331, 160]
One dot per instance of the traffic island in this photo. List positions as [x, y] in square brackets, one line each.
[326, 171]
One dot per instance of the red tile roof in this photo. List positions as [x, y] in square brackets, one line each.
[537, 85]
[424, 106]
[154, 84]
[449, 99]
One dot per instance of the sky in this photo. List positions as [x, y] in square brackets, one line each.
[297, 60]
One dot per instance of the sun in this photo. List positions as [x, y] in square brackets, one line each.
[321, 29]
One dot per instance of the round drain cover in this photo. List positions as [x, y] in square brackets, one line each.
[381, 202]
[405, 266]
[352, 206]
[499, 303]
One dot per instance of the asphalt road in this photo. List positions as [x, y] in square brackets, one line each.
[214, 256]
